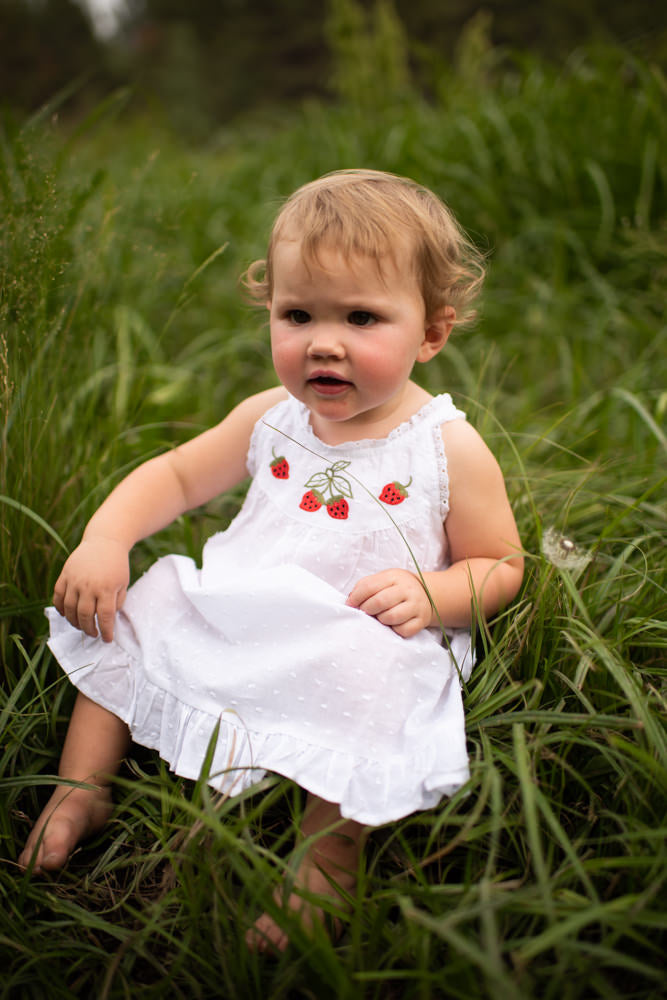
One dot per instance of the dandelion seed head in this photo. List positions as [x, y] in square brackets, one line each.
[563, 552]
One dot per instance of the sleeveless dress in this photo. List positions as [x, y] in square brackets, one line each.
[260, 642]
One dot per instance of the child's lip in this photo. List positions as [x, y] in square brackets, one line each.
[325, 375]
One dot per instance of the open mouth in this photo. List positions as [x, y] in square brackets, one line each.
[328, 380]
[328, 384]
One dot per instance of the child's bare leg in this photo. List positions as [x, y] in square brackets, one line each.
[96, 743]
[333, 857]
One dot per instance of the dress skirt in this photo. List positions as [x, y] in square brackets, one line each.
[298, 683]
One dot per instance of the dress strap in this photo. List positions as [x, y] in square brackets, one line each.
[441, 409]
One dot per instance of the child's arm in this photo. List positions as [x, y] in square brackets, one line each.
[484, 548]
[94, 579]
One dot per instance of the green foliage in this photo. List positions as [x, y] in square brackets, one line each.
[123, 332]
[370, 56]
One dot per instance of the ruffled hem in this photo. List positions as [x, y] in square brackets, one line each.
[369, 791]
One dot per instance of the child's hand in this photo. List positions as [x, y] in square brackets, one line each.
[93, 582]
[396, 598]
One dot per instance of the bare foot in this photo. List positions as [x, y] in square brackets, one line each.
[328, 869]
[267, 935]
[70, 815]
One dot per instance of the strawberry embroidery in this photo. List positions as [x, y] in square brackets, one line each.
[329, 488]
[311, 501]
[338, 508]
[279, 466]
[395, 492]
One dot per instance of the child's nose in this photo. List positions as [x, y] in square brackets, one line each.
[325, 343]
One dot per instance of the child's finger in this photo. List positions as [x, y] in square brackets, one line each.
[86, 616]
[409, 628]
[378, 602]
[366, 588]
[59, 592]
[403, 617]
[70, 606]
[395, 614]
[106, 614]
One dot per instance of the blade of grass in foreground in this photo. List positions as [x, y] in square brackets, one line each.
[36, 518]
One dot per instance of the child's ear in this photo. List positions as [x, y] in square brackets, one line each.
[436, 332]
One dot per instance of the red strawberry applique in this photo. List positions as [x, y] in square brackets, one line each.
[279, 466]
[312, 500]
[338, 508]
[395, 492]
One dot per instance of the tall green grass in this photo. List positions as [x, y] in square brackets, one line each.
[122, 332]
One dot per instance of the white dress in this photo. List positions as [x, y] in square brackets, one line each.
[261, 642]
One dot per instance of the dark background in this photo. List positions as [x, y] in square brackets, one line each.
[206, 61]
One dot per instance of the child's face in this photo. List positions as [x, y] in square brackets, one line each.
[345, 338]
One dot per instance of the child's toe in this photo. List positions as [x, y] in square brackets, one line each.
[266, 936]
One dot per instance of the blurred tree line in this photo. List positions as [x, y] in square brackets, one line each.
[208, 60]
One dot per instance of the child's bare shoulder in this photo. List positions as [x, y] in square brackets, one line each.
[254, 407]
[459, 435]
[241, 420]
[469, 457]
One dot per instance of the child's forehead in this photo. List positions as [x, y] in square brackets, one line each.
[328, 254]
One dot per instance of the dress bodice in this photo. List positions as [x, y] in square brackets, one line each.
[348, 510]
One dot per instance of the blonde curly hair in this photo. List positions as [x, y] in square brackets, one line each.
[375, 214]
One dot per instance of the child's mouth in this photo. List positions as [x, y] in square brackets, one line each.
[328, 384]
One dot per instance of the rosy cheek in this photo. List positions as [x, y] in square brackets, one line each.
[284, 357]
[382, 366]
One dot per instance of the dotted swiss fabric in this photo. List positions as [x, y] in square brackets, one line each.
[259, 641]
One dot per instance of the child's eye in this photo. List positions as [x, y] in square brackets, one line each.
[359, 317]
[298, 316]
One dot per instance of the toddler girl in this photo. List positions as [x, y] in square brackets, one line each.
[327, 630]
